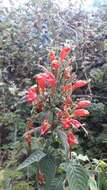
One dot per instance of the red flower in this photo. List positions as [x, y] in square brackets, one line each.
[75, 123]
[30, 124]
[79, 84]
[31, 95]
[51, 79]
[66, 123]
[41, 178]
[63, 54]
[52, 56]
[83, 104]
[46, 78]
[40, 78]
[44, 127]
[81, 113]
[71, 139]
[55, 64]
[67, 87]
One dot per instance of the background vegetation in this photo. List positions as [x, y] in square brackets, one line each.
[27, 35]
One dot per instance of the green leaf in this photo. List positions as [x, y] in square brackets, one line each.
[57, 184]
[63, 139]
[37, 132]
[77, 177]
[47, 166]
[34, 157]
[83, 158]
[102, 180]
[92, 183]
[105, 184]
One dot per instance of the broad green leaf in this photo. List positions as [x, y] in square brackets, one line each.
[34, 157]
[102, 180]
[77, 177]
[105, 184]
[92, 183]
[47, 166]
[57, 183]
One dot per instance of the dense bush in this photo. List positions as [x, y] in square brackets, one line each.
[28, 34]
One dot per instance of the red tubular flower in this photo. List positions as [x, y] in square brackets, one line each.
[76, 123]
[31, 95]
[52, 56]
[50, 75]
[51, 79]
[71, 139]
[46, 78]
[63, 54]
[40, 78]
[79, 84]
[55, 65]
[67, 87]
[66, 123]
[44, 127]
[81, 113]
[83, 104]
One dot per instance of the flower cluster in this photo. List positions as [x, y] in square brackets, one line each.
[55, 86]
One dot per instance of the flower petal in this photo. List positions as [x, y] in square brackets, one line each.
[71, 139]
[83, 104]
[63, 54]
[81, 113]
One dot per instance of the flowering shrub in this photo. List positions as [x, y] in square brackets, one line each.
[58, 80]
[51, 98]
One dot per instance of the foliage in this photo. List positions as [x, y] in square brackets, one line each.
[35, 157]
[77, 176]
[27, 36]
